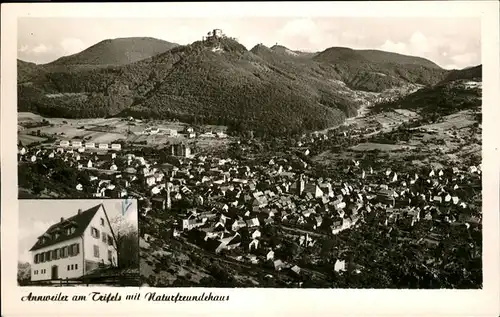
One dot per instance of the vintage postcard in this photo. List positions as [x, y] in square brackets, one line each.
[306, 158]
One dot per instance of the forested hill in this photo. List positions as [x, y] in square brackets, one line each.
[472, 73]
[460, 90]
[374, 70]
[118, 51]
[271, 90]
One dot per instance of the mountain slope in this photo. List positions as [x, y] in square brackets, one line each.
[471, 73]
[118, 51]
[279, 49]
[26, 71]
[265, 89]
[445, 98]
[374, 70]
[339, 54]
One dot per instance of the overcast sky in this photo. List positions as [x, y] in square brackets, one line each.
[449, 42]
[36, 216]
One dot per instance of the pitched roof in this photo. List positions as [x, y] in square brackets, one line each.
[79, 221]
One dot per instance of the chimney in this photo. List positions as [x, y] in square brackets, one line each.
[79, 211]
[62, 219]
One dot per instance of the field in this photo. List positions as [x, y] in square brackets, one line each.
[27, 139]
[28, 116]
[381, 147]
[451, 140]
[458, 120]
[111, 130]
[394, 118]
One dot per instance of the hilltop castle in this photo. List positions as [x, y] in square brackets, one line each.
[215, 34]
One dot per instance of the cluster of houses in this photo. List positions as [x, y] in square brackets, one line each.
[188, 132]
[210, 134]
[233, 203]
[227, 207]
[156, 130]
[76, 144]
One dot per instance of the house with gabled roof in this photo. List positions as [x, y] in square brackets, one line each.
[237, 224]
[74, 247]
[254, 222]
[279, 265]
[260, 201]
[229, 243]
[270, 255]
[191, 222]
[254, 244]
[295, 269]
[256, 234]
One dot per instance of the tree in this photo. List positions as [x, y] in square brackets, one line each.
[127, 243]
[23, 272]
[221, 275]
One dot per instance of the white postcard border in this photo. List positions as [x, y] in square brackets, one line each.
[275, 302]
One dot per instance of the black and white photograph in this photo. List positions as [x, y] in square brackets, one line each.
[262, 152]
[283, 158]
[78, 243]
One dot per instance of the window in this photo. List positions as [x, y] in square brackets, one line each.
[72, 266]
[102, 222]
[76, 266]
[47, 256]
[68, 268]
[35, 272]
[64, 252]
[96, 251]
[76, 249]
[70, 230]
[110, 255]
[73, 249]
[42, 257]
[94, 232]
[35, 259]
[104, 236]
[55, 254]
[110, 240]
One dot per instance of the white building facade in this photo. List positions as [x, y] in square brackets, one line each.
[75, 247]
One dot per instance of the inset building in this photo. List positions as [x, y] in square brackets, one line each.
[75, 246]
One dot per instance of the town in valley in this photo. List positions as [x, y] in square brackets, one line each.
[388, 197]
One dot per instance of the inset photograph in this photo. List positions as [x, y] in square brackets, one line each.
[78, 243]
